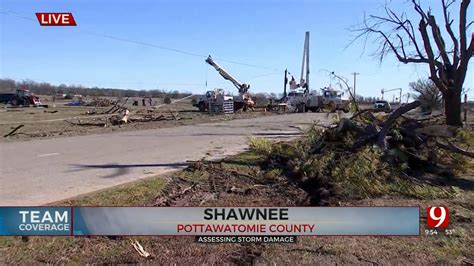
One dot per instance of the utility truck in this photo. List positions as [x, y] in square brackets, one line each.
[242, 101]
[328, 99]
[215, 97]
[301, 98]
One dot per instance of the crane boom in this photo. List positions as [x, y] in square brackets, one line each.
[242, 87]
[396, 89]
[305, 83]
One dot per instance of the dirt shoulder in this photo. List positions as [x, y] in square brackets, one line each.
[244, 180]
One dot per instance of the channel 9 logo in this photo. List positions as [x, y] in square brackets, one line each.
[437, 217]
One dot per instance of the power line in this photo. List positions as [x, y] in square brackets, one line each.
[265, 75]
[117, 38]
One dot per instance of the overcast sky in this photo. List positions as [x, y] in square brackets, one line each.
[268, 35]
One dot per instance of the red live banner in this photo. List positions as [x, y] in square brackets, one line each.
[56, 19]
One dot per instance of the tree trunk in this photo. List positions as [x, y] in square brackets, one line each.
[452, 106]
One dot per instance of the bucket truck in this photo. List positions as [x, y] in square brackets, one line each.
[243, 101]
[301, 98]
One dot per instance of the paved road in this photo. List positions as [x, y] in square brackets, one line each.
[38, 172]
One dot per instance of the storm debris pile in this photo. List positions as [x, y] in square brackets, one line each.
[368, 155]
[121, 115]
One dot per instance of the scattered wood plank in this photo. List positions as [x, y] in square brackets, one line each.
[112, 108]
[13, 131]
[175, 117]
[139, 248]
[79, 123]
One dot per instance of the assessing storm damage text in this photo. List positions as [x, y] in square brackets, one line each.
[245, 239]
[246, 221]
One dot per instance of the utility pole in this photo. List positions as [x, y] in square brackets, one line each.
[355, 75]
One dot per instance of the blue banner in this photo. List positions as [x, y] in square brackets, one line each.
[35, 221]
[211, 221]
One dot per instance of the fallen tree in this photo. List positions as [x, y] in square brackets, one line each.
[368, 155]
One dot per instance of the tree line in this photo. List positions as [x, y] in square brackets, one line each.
[45, 88]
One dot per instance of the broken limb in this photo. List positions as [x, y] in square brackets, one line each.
[86, 124]
[391, 119]
[361, 112]
[13, 131]
[453, 148]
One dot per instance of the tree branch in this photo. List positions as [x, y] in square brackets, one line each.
[433, 63]
[462, 26]
[391, 119]
[465, 50]
[436, 32]
[411, 35]
[447, 24]
[349, 90]
[400, 58]
[453, 148]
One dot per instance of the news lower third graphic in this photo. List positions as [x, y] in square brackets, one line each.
[35, 221]
[213, 224]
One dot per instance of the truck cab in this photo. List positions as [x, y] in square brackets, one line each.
[328, 98]
[331, 95]
[217, 95]
[294, 95]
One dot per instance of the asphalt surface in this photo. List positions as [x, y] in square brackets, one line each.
[39, 172]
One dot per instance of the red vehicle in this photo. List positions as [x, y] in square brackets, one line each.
[23, 97]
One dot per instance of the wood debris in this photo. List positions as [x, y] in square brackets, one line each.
[139, 248]
[13, 131]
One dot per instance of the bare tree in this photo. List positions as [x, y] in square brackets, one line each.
[427, 93]
[448, 63]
